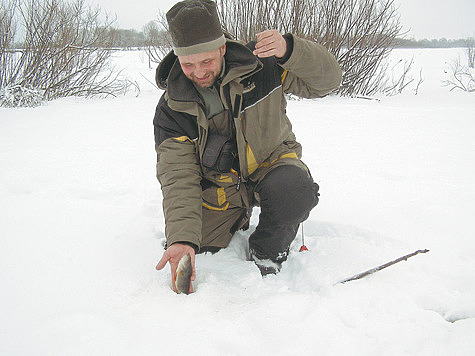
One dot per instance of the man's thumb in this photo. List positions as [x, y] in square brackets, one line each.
[163, 261]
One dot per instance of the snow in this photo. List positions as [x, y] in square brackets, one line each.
[82, 229]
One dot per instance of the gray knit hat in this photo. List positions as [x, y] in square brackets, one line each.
[194, 27]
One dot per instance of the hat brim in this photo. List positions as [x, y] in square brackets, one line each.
[200, 47]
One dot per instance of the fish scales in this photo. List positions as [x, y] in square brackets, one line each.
[183, 274]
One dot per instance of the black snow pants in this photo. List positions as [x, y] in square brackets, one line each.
[286, 195]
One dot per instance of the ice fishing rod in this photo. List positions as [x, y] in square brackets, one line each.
[379, 268]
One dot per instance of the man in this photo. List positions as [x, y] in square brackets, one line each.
[224, 143]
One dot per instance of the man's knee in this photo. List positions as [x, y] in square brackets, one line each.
[287, 194]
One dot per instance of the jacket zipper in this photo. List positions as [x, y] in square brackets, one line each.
[235, 115]
[236, 109]
[233, 112]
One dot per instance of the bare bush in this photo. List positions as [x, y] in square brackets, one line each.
[64, 52]
[462, 76]
[360, 33]
[459, 76]
[395, 80]
[18, 96]
[244, 19]
[7, 35]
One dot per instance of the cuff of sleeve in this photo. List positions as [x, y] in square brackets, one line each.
[195, 247]
[290, 48]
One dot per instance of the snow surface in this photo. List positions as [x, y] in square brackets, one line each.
[81, 230]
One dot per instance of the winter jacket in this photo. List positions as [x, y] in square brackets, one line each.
[252, 91]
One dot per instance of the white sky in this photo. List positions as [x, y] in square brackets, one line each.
[451, 19]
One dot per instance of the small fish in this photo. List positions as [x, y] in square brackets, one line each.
[183, 275]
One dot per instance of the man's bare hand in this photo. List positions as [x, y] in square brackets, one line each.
[270, 43]
[172, 255]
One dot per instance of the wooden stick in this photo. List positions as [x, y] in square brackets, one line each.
[379, 268]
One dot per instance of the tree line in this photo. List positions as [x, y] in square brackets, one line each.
[56, 48]
[131, 38]
[435, 43]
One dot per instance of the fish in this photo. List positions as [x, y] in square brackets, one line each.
[183, 275]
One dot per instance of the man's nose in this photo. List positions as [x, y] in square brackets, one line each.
[200, 71]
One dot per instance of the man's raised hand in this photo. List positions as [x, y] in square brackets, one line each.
[270, 43]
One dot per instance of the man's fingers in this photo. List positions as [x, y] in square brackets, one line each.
[262, 48]
[163, 261]
[265, 45]
[193, 273]
[267, 37]
[265, 34]
[270, 43]
[173, 271]
[263, 54]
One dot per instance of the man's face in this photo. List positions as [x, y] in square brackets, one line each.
[203, 68]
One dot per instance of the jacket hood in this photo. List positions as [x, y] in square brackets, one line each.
[236, 54]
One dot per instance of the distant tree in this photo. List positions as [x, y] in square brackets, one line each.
[471, 53]
[127, 38]
[433, 43]
[157, 41]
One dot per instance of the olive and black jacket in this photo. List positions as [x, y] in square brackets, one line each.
[252, 92]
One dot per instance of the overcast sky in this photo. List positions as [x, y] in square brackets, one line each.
[451, 19]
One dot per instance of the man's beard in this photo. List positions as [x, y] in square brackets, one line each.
[207, 81]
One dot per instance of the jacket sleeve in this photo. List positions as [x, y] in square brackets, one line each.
[312, 71]
[179, 173]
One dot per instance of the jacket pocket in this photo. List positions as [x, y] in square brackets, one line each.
[221, 194]
[214, 198]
